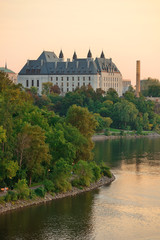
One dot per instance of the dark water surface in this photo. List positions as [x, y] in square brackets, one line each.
[128, 209]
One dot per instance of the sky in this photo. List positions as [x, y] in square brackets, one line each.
[126, 30]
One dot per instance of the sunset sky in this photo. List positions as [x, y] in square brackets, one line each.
[126, 30]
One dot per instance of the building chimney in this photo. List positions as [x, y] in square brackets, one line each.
[137, 78]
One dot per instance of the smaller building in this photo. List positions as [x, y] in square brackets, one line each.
[11, 75]
[125, 85]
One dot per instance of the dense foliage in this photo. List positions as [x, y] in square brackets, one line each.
[127, 112]
[37, 145]
[47, 138]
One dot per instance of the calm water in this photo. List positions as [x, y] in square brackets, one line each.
[128, 209]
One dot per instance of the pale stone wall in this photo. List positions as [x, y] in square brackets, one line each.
[68, 83]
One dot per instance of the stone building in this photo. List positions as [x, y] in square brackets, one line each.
[68, 75]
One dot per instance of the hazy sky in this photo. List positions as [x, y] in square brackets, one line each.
[126, 30]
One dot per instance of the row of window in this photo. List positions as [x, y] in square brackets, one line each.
[72, 78]
[36, 84]
[110, 79]
[111, 85]
[32, 83]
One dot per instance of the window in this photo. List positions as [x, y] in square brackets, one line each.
[78, 84]
[37, 83]
[72, 89]
[67, 78]
[62, 89]
[72, 84]
[51, 79]
[61, 78]
[56, 78]
[67, 84]
[67, 89]
[89, 78]
[83, 78]
[78, 78]
[72, 78]
[62, 84]
[27, 83]
[32, 83]
[83, 84]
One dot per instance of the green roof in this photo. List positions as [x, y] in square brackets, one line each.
[6, 70]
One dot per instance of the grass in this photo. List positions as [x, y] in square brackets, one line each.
[36, 184]
[115, 130]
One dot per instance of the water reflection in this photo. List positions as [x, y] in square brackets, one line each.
[69, 218]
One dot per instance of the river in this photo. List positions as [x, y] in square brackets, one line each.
[128, 209]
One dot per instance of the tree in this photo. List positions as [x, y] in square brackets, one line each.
[82, 119]
[46, 88]
[35, 151]
[125, 113]
[103, 122]
[112, 95]
[55, 89]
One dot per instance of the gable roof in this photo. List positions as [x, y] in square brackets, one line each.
[48, 56]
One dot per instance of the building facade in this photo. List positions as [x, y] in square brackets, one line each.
[125, 85]
[68, 75]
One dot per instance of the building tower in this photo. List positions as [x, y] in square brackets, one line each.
[61, 56]
[137, 78]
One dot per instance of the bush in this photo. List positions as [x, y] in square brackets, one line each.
[11, 196]
[32, 194]
[7, 197]
[62, 186]
[121, 133]
[40, 192]
[106, 171]
[49, 185]
[96, 171]
[107, 132]
[84, 173]
[2, 200]
[22, 189]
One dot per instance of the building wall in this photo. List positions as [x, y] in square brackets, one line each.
[69, 82]
[111, 80]
[65, 82]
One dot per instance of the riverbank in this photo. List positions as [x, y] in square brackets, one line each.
[104, 137]
[10, 206]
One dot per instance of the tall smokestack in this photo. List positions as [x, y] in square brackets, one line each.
[137, 78]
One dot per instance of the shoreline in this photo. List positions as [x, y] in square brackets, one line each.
[10, 206]
[104, 137]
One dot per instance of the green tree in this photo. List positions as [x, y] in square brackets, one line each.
[112, 95]
[82, 119]
[125, 114]
[46, 88]
[35, 151]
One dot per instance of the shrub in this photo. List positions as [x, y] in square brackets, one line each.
[96, 171]
[2, 199]
[7, 197]
[22, 189]
[62, 186]
[107, 132]
[121, 133]
[106, 171]
[32, 194]
[49, 185]
[84, 173]
[40, 192]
